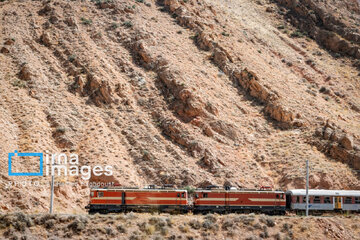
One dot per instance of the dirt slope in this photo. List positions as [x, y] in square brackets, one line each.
[179, 92]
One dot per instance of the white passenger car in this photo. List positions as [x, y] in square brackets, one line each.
[323, 200]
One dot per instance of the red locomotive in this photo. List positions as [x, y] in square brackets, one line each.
[232, 200]
[131, 199]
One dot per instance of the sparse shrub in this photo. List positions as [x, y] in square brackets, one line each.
[277, 236]
[76, 226]
[304, 228]
[101, 230]
[60, 130]
[99, 2]
[135, 236]
[355, 226]
[210, 217]
[209, 225]
[149, 229]
[297, 34]
[257, 226]
[147, 156]
[71, 58]
[114, 25]
[109, 231]
[130, 216]
[194, 37]
[68, 235]
[42, 219]
[121, 229]
[251, 238]
[86, 21]
[250, 228]
[140, 1]
[24, 218]
[164, 231]
[9, 232]
[337, 55]
[159, 223]
[128, 24]
[225, 34]
[169, 222]
[264, 234]
[231, 234]
[247, 220]
[286, 227]
[19, 83]
[184, 228]
[19, 226]
[158, 238]
[49, 223]
[195, 224]
[269, 222]
[227, 224]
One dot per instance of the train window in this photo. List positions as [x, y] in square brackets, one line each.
[205, 195]
[178, 195]
[92, 194]
[348, 200]
[297, 199]
[183, 195]
[100, 194]
[304, 199]
[196, 195]
[317, 199]
[357, 200]
[327, 200]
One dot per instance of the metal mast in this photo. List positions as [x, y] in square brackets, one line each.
[307, 187]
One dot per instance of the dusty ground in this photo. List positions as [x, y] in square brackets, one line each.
[148, 226]
[181, 92]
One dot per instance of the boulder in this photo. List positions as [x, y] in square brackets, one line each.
[327, 133]
[4, 50]
[347, 142]
[25, 73]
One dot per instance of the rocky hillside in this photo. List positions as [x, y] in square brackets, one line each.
[181, 92]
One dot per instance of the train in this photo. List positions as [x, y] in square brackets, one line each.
[214, 199]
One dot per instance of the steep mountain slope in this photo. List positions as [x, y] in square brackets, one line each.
[177, 92]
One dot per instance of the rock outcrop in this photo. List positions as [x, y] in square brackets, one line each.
[338, 145]
[333, 32]
[222, 59]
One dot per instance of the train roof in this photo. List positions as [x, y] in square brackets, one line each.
[138, 190]
[239, 191]
[323, 192]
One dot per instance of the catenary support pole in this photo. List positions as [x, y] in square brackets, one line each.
[52, 194]
[307, 187]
